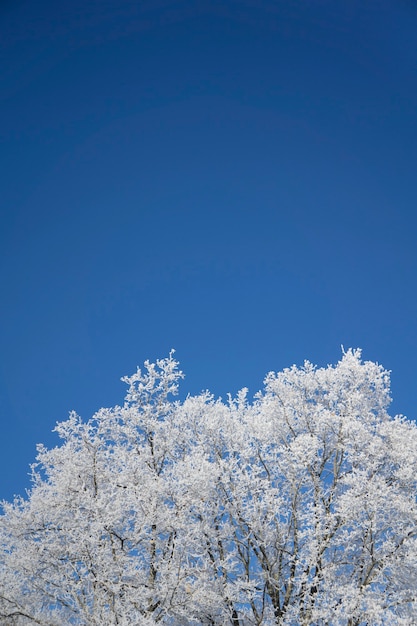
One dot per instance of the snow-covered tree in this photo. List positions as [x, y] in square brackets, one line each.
[298, 508]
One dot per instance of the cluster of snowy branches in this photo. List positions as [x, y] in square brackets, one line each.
[298, 508]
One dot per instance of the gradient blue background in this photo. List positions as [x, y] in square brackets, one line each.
[235, 179]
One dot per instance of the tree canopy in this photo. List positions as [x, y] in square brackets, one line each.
[295, 508]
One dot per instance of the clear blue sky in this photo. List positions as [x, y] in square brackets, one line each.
[236, 179]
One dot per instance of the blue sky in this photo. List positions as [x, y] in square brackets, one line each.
[233, 179]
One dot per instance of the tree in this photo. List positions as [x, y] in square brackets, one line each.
[298, 508]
